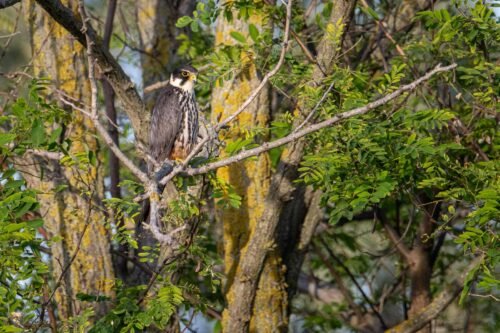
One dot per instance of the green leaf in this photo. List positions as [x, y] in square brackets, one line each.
[37, 133]
[368, 10]
[6, 138]
[14, 184]
[14, 226]
[238, 36]
[469, 279]
[183, 21]
[195, 26]
[35, 223]
[11, 329]
[253, 31]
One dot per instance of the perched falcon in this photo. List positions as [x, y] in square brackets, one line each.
[174, 121]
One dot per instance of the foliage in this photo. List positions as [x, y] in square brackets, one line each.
[437, 145]
[441, 144]
[24, 272]
[128, 315]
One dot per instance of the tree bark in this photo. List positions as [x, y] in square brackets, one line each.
[420, 263]
[259, 245]
[251, 180]
[81, 262]
[296, 227]
[124, 89]
[425, 315]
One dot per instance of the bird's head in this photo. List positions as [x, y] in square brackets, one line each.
[184, 78]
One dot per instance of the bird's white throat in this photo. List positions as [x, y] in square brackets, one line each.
[187, 86]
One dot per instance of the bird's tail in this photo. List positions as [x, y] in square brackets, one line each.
[144, 213]
[164, 170]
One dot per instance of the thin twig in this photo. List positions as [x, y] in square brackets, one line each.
[51, 155]
[354, 281]
[93, 105]
[358, 309]
[496, 299]
[309, 116]
[73, 257]
[10, 35]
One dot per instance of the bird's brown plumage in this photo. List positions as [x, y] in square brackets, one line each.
[174, 120]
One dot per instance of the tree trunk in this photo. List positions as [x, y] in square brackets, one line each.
[420, 263]
[81, 261]
[251, 180]
[259, 245]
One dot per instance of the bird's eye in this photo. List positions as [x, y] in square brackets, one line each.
[185, 74]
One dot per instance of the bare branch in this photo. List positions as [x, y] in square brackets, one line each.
[10, 35]
[51, 155]
[437, 306]
[155, 86]
[395, 238]
[73, 257]
[123, 87]
[358, 309]
[354, 281]
[311, 114]
[382, 27]
[154, 225]
[93, 115]
[493, 297]
[314, 128]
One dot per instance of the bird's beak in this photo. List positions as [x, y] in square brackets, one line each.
[192, 77]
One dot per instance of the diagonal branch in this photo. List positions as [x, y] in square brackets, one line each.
[358, 309]
[437, 306]
[354, 281]
[109, 68]
[316, 127]
[395, 238]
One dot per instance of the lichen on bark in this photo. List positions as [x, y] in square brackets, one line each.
[250, 180]
[70, 215]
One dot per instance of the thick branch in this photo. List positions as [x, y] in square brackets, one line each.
[316, 127]
[109, 101]
[437, 306]
[123, 87]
